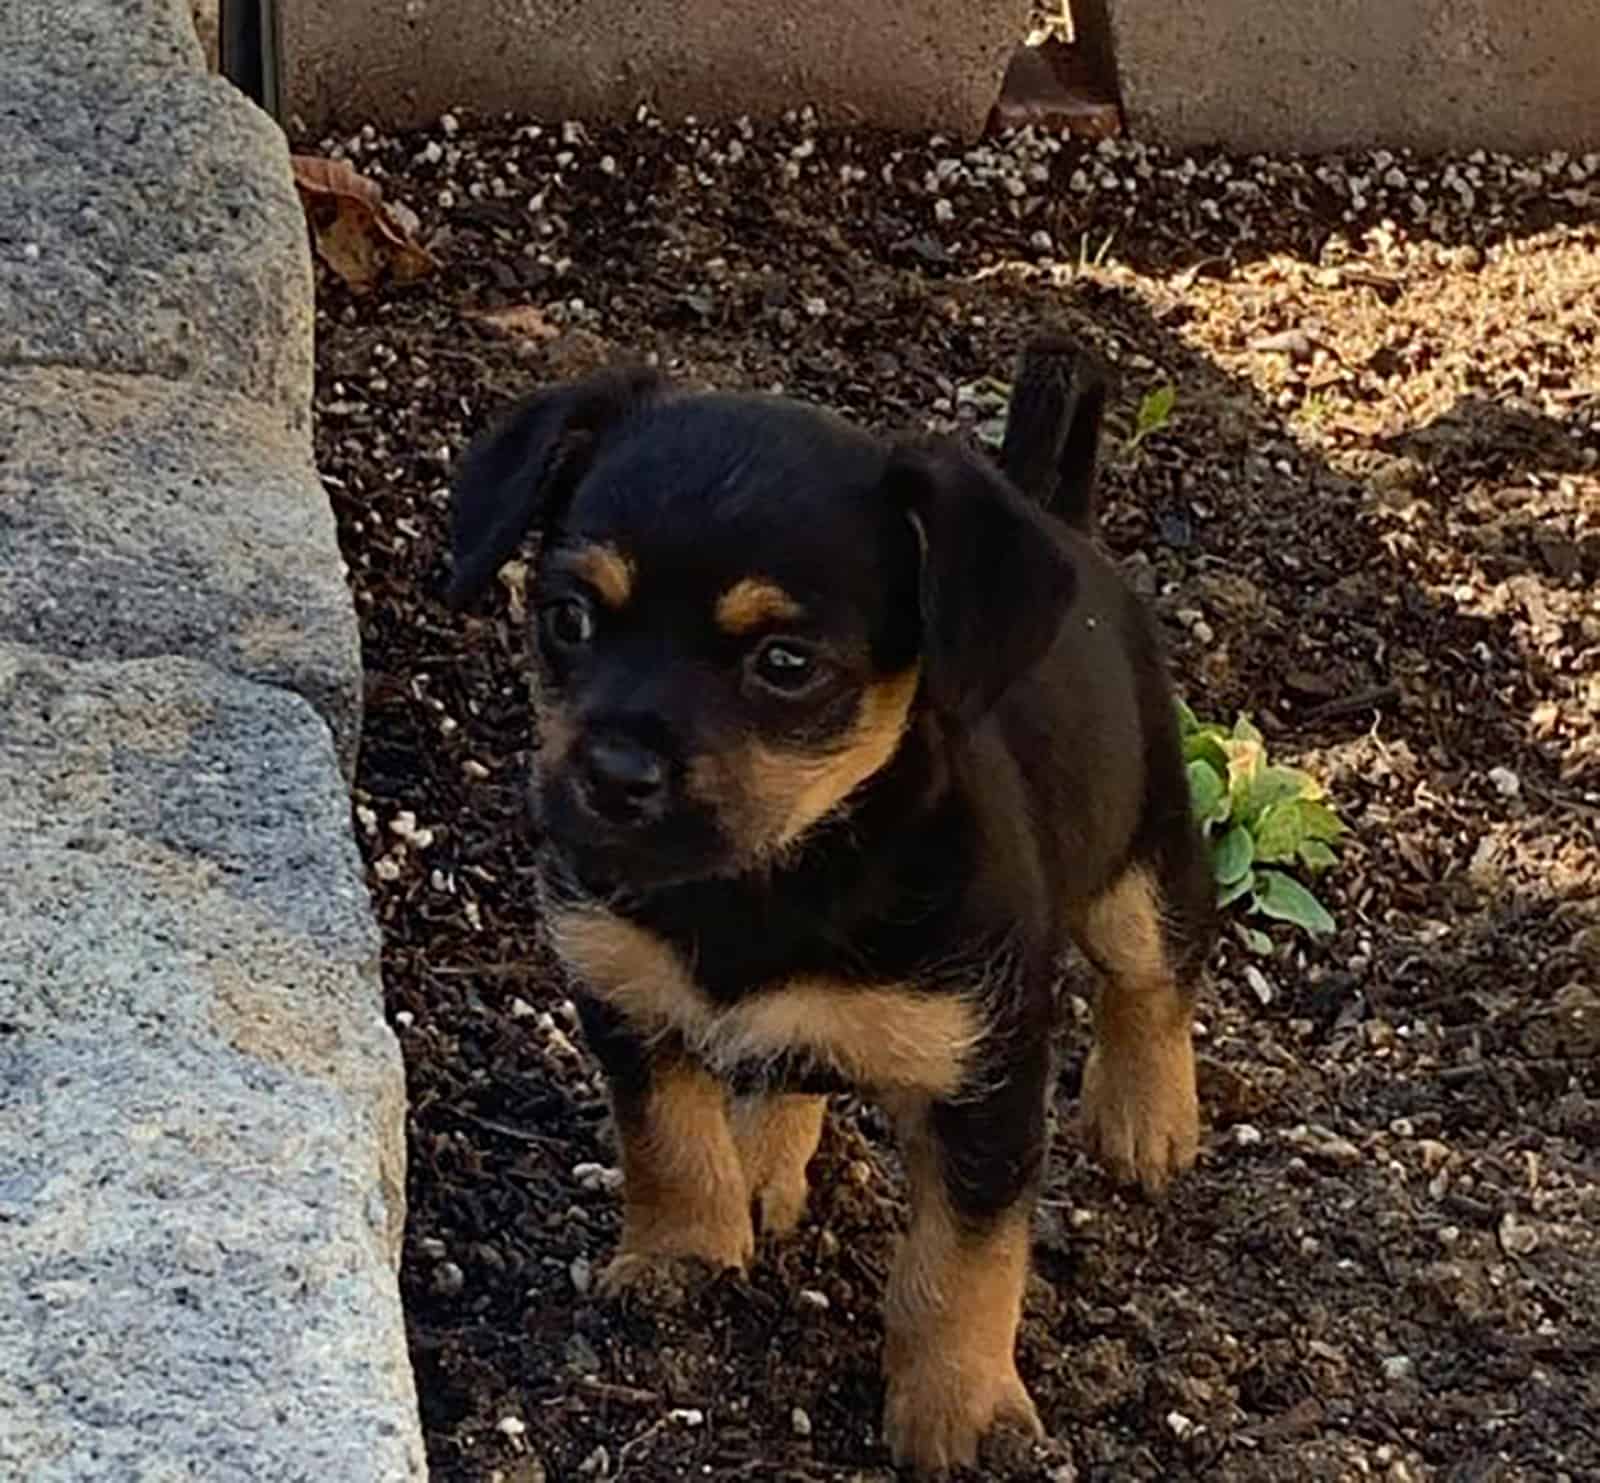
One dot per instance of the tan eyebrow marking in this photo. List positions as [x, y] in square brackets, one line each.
[608, 571]
[751, 602]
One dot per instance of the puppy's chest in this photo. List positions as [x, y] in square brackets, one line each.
[802, 1029]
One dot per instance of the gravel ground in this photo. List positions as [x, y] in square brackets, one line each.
[1373, 522]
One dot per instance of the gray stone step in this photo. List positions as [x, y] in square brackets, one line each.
[202, 1156]
[150, 220]
[201, 1108]
[140, 517]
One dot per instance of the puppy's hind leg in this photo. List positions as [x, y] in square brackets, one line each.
[1139, 1110]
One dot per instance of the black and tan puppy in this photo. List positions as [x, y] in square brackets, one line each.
[841, 744]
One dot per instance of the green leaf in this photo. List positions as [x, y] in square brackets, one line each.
[1207, 794]
[1254, 939]
[1277, 784]
[1241, 887]
[1320, 821]
[1155, 411]
[1316, 856]
[1244, 730]
[1232, 858]
[1244, 766]
[1279, 833]
[1285, 900]
[1203, 746]
[1187, 720]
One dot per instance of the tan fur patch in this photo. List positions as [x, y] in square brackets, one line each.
[683, 1187]
[556, 731]
[770, 796]
[776, 1137]
[1140, 1111]
[950, 1318]
[608, 571]
[752, 603]
[882, 1036]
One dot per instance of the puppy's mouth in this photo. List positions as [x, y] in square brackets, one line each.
[607, 859]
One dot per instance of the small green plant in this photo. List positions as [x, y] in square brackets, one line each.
[1155, 412]
[1261, 821]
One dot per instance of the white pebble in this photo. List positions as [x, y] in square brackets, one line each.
[1042, 241]
[1506, 783]
[800, 1422]
[1259, 984]
[687, 1416]
[943, 211]
[1246, 1136]
[511, 1426]
[810, 1297]
[450, 124]
[581, 1273]
[1398, 1366]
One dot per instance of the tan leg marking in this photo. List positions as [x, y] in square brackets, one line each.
[683, 1188]
[1139, 1111]
[776, 1137]
[950, 1320]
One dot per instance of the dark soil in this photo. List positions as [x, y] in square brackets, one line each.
[1373, 522]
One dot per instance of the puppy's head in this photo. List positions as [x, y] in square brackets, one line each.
[741, 603]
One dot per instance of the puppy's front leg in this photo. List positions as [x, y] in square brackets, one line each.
[955, 1295]
[683, 1189]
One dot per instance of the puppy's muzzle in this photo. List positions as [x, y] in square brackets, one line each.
[621, 782]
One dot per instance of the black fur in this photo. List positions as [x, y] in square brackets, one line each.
[1040, 761]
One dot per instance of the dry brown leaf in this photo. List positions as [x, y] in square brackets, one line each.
[519, 322]
[357, 235]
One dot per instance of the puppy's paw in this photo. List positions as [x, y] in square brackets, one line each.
[663, 1265]
[781, 1202]
[661, 1279]
[1139, 1112]
[938, 1409]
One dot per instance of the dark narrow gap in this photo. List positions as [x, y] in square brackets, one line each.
[1063, 74]
[248, 48]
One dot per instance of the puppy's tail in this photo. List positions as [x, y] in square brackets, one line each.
[1052, 441]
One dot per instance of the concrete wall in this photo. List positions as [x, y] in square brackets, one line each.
[1316, 75]
[913, 64]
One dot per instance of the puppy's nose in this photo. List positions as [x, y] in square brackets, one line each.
[623, 781]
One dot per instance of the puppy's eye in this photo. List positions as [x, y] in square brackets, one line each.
[568, 622]
[785, 666]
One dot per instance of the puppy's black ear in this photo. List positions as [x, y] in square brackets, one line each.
[995, 582]
[520, 473]
[1052, 442]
